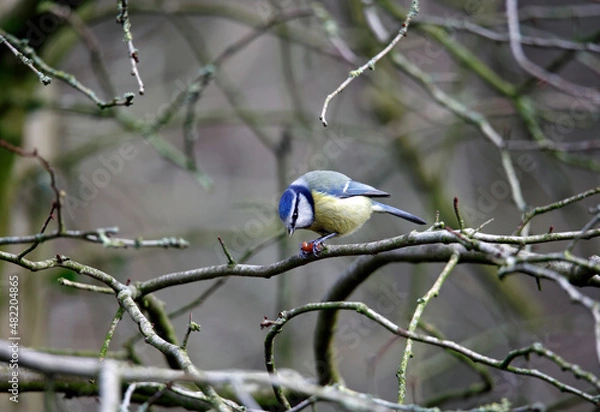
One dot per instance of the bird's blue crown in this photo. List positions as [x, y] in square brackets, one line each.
[285, 203]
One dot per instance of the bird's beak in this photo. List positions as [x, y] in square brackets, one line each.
[290, 231]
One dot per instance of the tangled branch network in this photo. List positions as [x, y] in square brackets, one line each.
[440, 243]
[120, 378]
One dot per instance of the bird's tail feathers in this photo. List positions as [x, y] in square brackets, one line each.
[382, 208]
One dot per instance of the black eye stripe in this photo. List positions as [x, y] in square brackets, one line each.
[295, 213]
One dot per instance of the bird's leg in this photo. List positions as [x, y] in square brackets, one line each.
[317, 245]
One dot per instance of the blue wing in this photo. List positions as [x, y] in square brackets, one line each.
[354, 188]
[339, 185]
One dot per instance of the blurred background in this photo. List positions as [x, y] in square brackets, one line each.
[156, 172]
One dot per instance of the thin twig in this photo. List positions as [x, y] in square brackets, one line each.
[131, 389]
[101, 236]
[269, 348]
[192, 327]
[554, 206]
[230, 260]
[85, 286]
[44, 79]
[190, 134]
[412, 12]
[414, 323]
[564, 365]
[58, 194]
[461, 222]
[111, 331]
[123, 20]
[589, 225]
[69, 79]
[305, 403]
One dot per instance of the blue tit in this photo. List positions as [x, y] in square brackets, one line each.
[332, 204]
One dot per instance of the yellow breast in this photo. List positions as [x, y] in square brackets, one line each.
[342, 216]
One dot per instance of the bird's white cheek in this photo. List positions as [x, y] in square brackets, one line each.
[304, 221]
[305, 213]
